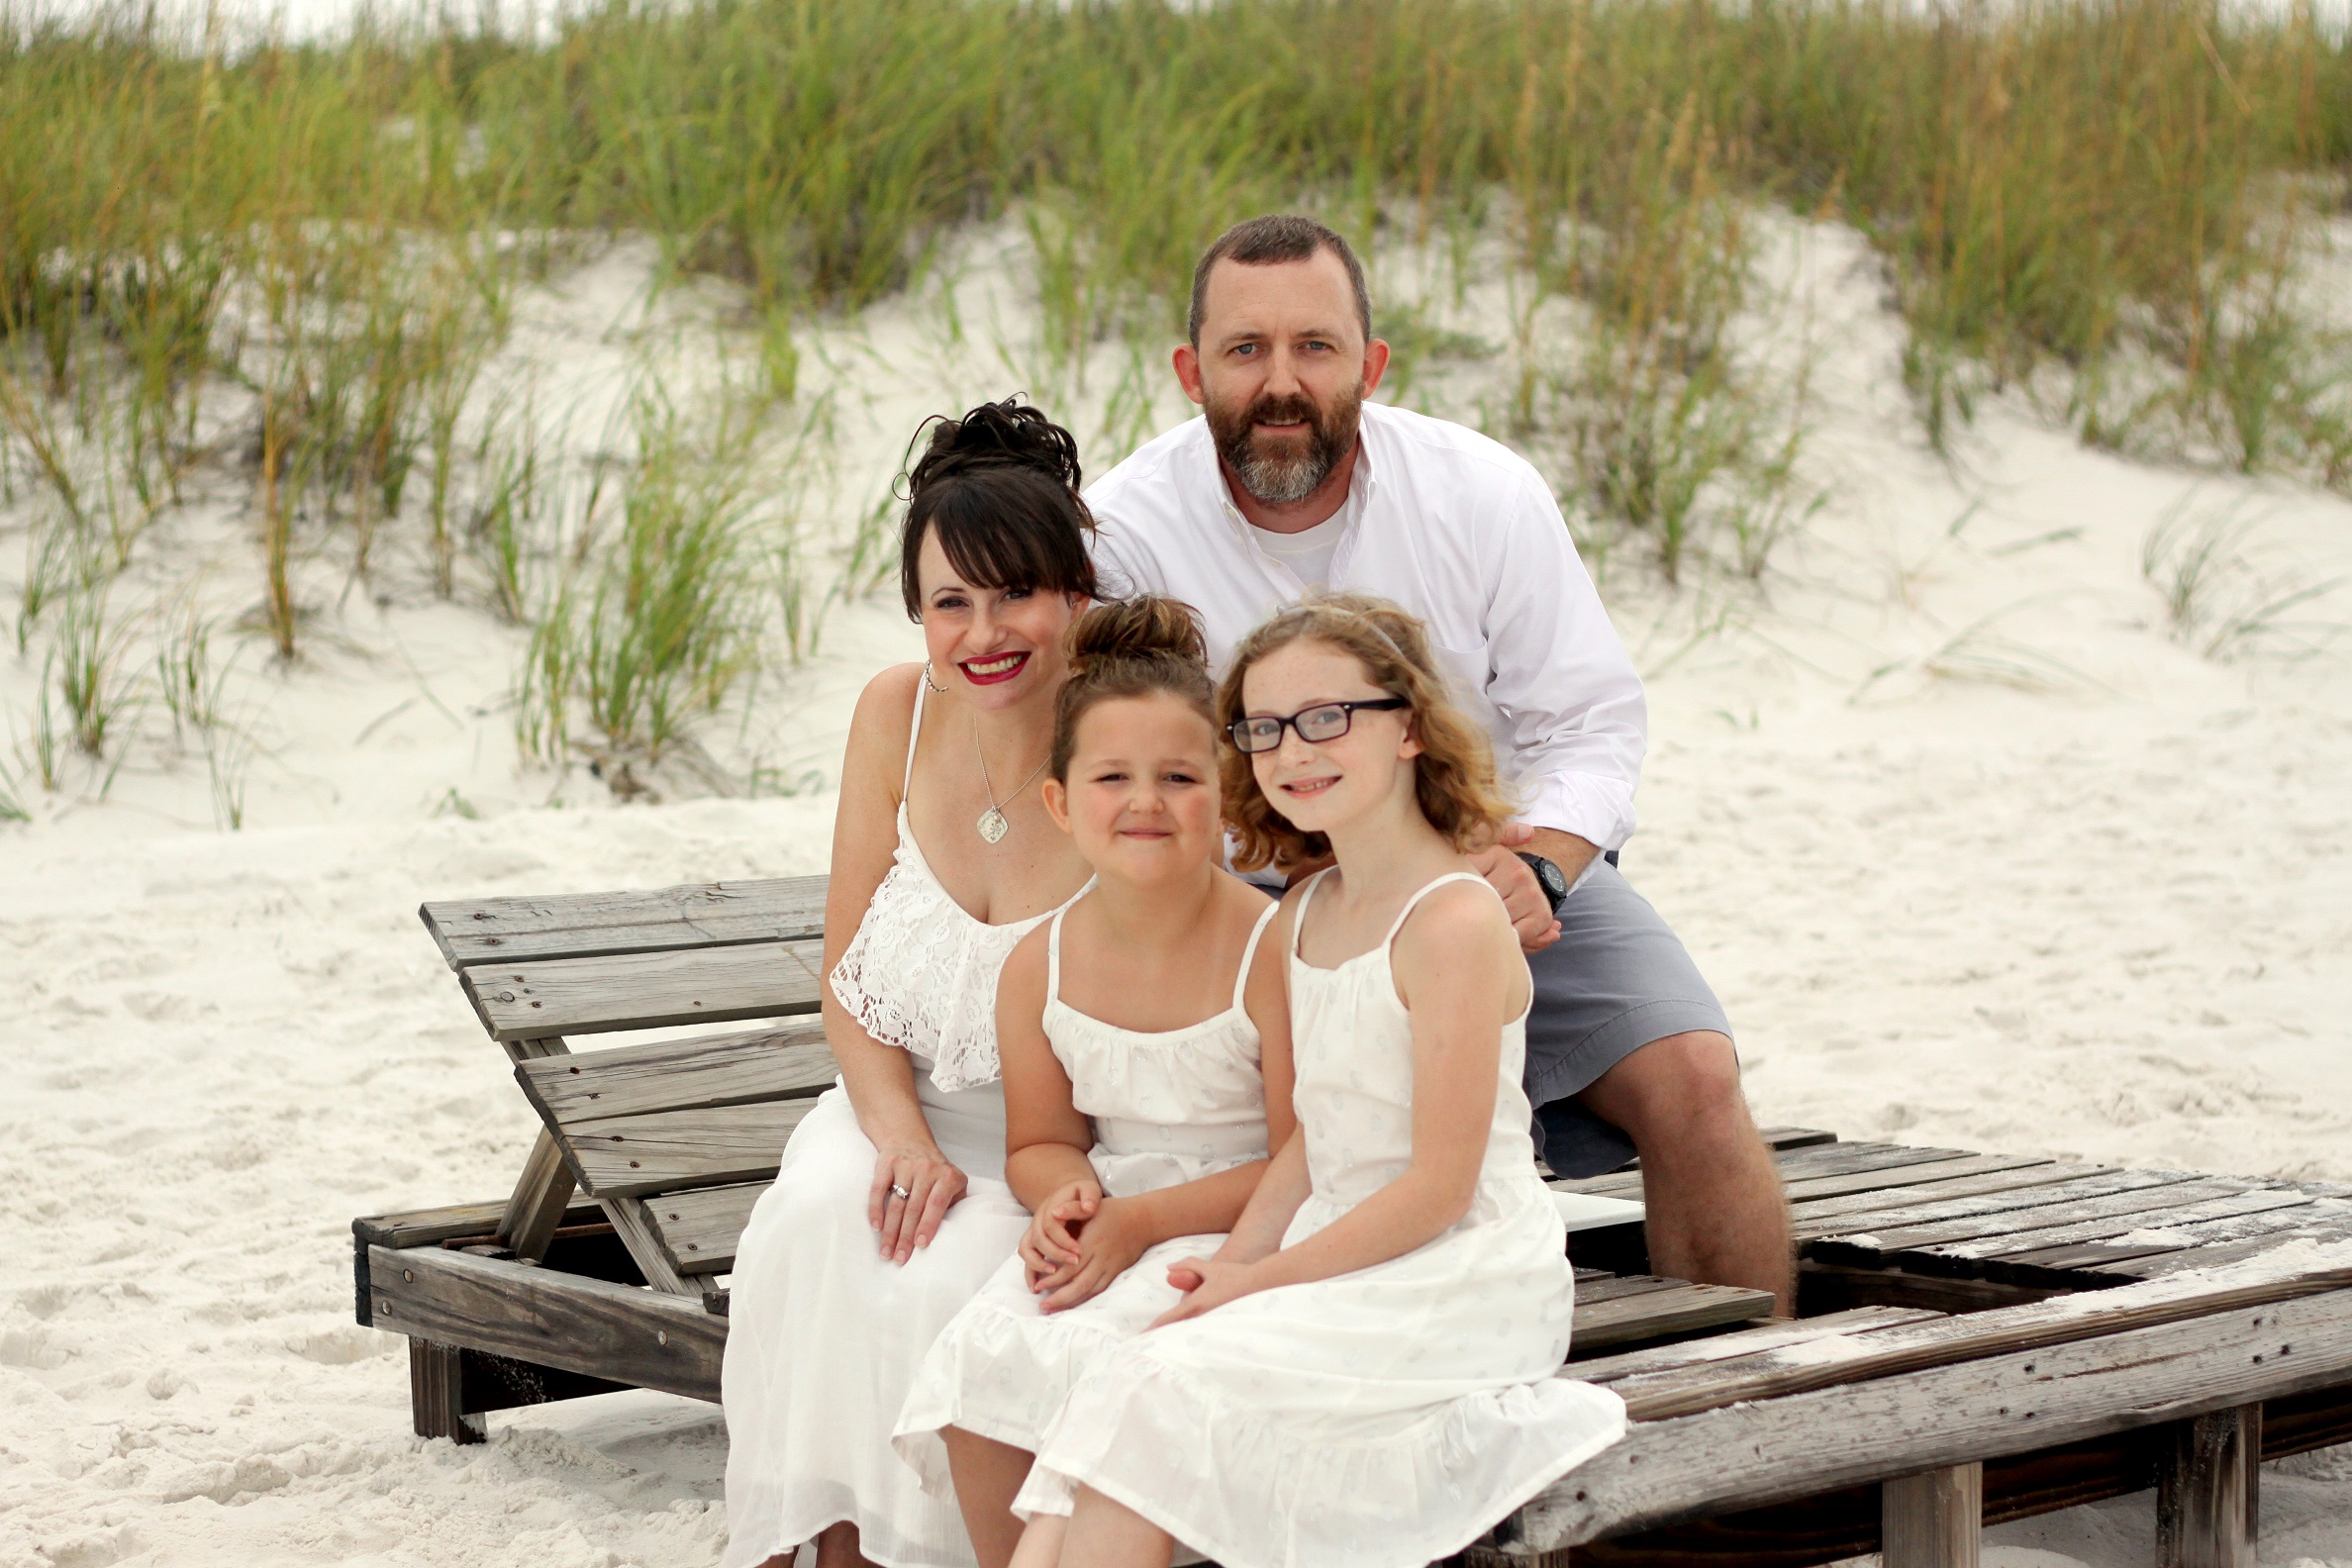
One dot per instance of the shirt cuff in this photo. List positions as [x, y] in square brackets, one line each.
[1597, 809]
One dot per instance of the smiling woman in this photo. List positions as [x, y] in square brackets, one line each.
[891, 1208]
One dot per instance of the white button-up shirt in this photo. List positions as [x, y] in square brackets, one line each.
[1461, 532]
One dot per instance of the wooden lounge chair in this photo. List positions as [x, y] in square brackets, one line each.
[1949, 1367]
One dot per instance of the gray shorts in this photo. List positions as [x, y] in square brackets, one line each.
[1615, 980]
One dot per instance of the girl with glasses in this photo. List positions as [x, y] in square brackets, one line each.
[1362, 1375]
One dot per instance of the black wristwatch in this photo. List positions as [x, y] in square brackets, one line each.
[1548, 877]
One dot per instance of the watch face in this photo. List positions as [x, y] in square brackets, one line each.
[1548, 876]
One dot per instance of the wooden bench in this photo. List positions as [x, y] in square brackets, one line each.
[1947, 1367]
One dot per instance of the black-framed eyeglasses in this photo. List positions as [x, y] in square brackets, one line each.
[1315, 724]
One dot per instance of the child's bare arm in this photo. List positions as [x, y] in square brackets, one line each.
[1046, 1136]
[1459, 972]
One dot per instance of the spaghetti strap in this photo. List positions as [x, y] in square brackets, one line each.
[914, 732]
[1053, 949]
[1299, 924]
[1422, 892]
[1249, 951]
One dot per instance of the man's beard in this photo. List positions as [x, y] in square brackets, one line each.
[1294, 470]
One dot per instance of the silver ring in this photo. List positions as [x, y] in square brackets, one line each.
[899, 1193]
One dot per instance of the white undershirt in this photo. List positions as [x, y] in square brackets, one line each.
[1309, 552]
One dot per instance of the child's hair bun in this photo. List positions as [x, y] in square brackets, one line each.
[1146, 627]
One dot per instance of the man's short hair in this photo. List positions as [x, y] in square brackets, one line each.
[1277, 238]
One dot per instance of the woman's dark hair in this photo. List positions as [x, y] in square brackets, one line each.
[1130, 649]
[1000, 488]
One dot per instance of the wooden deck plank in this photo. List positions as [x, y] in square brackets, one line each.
[681, 1075]
[587, 925]
[632, 1156]
[2008, 1220]
[1891, 1351]
[2030, 1245]
[1744, 1341]
[1779, 1450]
[1936, 1188]
[1821, 1189]
[2257, 1235]
[699, 1228]
[1796, 1164]
[1615, 1286]
[631, 991]
[622, 1332]
[410, 1228]
[1653, 1315]
[1898, 1215]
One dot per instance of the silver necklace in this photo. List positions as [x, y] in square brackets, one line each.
[992, 824]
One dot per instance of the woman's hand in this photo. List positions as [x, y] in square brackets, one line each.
[913, 1188]
[1052, 1241]
[1107, 1244]
[1208, 1283]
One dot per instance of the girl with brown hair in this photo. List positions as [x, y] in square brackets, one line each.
[1362, 1375]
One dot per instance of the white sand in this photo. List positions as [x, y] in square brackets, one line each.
[2102, 910]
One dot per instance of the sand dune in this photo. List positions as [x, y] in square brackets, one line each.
[1976, 850]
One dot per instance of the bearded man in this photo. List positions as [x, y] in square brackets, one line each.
[1291, 483]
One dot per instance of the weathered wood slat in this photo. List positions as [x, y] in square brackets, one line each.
[2047, 1243]
[681, 1075]
[1745, 1341]
[1888, 1352]
[630, 1156]
[2209, 1506]
[410, 1228]
[2008, 1221]
[621, 1332]
[697, 1228]
[1900, 1215]
[1750, 1454]
[1814, 1189]
[1939, 1189]
[634, 1228]
[2330, 1220]
[1795, 1137]
[631, 991]
[543, 1193]
[1810, 1160]
[1933, 1520]
[1615, 1286]
[588, 925]
[1653, 1315]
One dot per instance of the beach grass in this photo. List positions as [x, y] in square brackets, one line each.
[293, 260]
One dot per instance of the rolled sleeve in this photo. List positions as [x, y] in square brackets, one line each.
[1562, 681]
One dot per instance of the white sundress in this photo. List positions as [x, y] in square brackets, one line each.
[1380, 1419]
[823, 1333]
[1168, 1107]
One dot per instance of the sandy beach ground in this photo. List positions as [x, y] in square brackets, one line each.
[1979, 847]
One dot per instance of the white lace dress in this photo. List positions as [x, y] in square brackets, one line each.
[1380, 1419]
[823, 1333]
[1168, 1107]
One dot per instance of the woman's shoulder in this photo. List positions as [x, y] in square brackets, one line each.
[880, 725]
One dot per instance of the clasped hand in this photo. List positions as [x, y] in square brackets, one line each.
[1208, 1283]
[1078, 1241]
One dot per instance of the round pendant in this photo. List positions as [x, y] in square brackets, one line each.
[993, 826]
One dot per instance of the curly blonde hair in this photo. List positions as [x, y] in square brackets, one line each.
[1454, 775]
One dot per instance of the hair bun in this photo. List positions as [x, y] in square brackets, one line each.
[1002, 435]
[1143, 627]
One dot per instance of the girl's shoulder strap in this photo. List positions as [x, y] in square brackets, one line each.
[915, 731]
[1306, 897]
[1053, 952]
[1423, 891]
[1249, 950]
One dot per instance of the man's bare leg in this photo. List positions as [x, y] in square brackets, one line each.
[1716, 1215]
[1041, 1543]
[988, 1476]
[1107, 1534]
